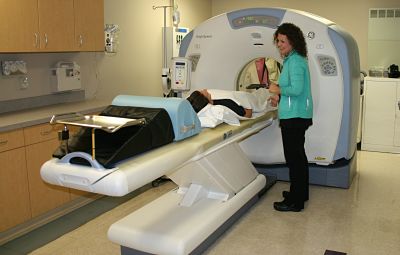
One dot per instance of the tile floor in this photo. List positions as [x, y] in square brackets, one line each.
[362, 220]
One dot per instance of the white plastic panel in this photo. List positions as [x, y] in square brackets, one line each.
[379, 112]
[164, 227]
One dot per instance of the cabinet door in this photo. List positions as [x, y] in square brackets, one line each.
[89, 25]
[56, 25]
[14, 194]
[19, 26]
[379, 122]
[43, 196]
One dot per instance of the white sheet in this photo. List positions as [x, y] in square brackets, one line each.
[213, 115]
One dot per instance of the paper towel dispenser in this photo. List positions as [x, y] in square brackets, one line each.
[65, 76]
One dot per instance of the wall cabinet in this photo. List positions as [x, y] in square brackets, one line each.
[19, 26]
[52, 25]
[89, 25]
[381, 119]
[56, 29]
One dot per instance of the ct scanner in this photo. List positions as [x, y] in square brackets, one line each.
[217, 181]
[221, 46]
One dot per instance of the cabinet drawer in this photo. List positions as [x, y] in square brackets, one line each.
[11, 140]
[39, 133]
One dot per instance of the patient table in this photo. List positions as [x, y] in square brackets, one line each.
[216, 184]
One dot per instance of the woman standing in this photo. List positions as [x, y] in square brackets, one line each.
[295, 111]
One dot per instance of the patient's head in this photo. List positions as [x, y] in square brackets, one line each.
[199, 99]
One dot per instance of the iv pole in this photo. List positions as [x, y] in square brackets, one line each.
[165, 69]
[165, 62]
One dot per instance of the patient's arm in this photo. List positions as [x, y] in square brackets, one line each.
[239, 110]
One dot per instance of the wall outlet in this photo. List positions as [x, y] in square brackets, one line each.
[23, 82]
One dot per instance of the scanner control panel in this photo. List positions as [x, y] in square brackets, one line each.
[327, 64]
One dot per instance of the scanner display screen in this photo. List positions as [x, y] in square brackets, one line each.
[255, 20]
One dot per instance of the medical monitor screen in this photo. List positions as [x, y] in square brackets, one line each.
[255, 20]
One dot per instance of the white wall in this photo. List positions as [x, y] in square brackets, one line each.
[383, 41]
[136, 68]
[350, 15]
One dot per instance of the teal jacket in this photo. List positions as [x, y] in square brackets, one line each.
[294, 83]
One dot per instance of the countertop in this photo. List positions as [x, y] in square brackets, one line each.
[372, 78]
[26, 118]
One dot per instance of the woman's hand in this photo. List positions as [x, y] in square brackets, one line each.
[274, 100]
[274, 89]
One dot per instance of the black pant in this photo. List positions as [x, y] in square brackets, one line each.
[293, 132]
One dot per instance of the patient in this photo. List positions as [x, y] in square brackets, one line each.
[200, 98]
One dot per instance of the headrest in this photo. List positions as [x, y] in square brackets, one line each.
[184, 119]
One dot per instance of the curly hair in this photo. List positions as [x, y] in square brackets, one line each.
[197, 100]
[295, 37]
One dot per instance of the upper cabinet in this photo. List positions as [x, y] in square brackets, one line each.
[89, 27]
[56, 25]
[19, 24]
[52, 25]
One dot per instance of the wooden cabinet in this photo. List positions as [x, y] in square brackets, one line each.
[56, 25]
[41, 141]
[24, 196]
[19, 26]
[89, 27]
[52, 25]
[381, 116]
[11, 140]
[14, 194]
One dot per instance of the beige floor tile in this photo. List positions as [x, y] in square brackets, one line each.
[52, 247]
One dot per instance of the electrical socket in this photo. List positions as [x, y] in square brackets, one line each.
[23, 83]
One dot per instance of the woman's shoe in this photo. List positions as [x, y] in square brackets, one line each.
[285, 193]
[285, 206]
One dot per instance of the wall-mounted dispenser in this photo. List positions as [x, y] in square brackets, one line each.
[14, 67]
[111, 32]
[65, 76]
